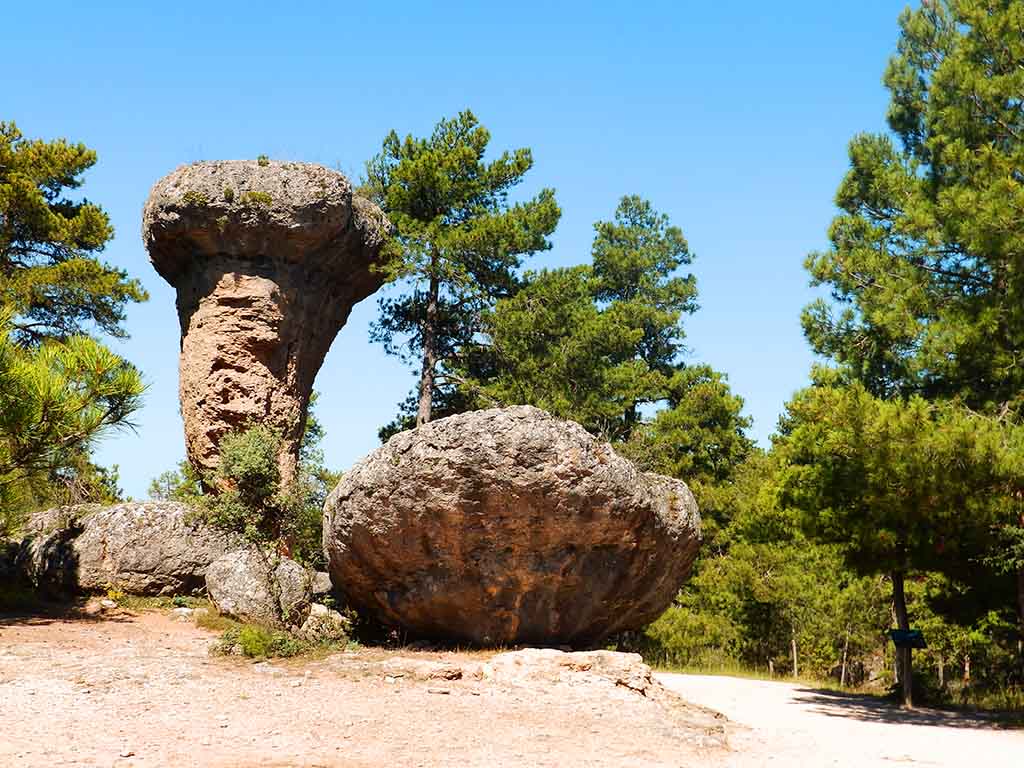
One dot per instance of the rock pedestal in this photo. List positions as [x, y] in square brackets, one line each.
[268, 259]
[508, 526]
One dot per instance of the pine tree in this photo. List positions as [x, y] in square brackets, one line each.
[459, 240]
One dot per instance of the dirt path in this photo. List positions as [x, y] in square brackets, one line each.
[791, 725]
[144, 691]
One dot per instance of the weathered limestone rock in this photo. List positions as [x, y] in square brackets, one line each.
[508, 526]
[260, 587]
[268, 259]
[143, 548]
[325, 625]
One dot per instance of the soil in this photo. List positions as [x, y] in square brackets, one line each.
[143, 690]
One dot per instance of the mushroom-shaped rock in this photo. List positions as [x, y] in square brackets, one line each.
[268, 259]
[508, 526]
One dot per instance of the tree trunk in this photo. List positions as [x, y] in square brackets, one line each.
[903, 659]
[429, 352]
[792, 641]
[771, 668]
[846, 648]
[941, 669]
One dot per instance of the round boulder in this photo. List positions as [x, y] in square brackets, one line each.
[508, 526]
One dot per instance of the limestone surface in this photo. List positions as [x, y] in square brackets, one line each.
[267, 259]
[143, 548]
[508, 526]
[260, 587]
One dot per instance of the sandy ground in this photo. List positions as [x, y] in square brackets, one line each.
[791, 725]
[144, 691]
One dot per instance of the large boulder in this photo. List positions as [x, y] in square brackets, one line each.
[143, 548]
[261, 588]
[508, 526]
[267, 259]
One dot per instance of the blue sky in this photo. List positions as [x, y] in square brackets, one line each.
[732, 117]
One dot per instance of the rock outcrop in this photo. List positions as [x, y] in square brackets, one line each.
[143, 548]
[260, 588]
[268, 259]
[508, 526]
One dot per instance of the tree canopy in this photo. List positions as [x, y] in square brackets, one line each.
[60, 388]
[458, 242]
[49, 274]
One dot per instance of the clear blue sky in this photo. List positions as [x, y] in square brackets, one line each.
[732, 117]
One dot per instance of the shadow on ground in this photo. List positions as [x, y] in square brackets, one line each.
[41, 613]
[878, 710]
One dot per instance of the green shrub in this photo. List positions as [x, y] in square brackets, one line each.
[229, 194]
[256, 642]
[193, 197]
[263, 160]
[248, 482]
[257, 199]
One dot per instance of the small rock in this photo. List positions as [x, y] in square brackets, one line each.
[127, 753]
[107, 604]
[443, 691]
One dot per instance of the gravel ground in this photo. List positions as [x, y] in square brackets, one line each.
[791, 725]
[142, 690]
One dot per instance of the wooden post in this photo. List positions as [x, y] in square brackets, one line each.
[846, 647]
[792, 641]
[903, 655]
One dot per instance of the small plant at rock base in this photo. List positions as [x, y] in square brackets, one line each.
[196, 198]
[257, 199]
[263, 160]
[222, 224]
[229, 194]
[256, 642]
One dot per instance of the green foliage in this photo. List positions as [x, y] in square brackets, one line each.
[258, 642]
[256, 199]
[229, 194]
[594, 343]
[182, 484]
[458, 240]
[195, 198]
[263, 160]
[248, 497]
[60, 390]
[924, 254]
[900, 485]
[56, 400]
[49, 276]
